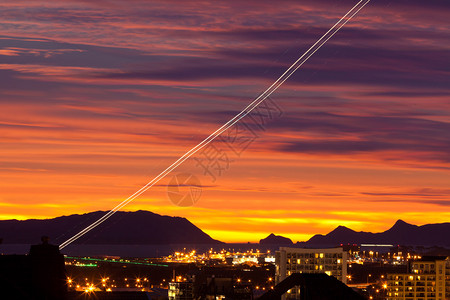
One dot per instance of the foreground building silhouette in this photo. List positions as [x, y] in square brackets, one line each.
[312, 287]
[41, 276]
[37, 276]
[48, 276]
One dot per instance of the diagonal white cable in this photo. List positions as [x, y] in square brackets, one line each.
[297, 64]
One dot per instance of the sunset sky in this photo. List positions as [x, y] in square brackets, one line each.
[98, 97]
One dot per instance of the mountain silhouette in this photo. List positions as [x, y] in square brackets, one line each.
[273, 239]
[401, 233]
[124, 228]
[147, 228]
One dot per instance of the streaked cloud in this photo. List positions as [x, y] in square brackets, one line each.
[97, 97]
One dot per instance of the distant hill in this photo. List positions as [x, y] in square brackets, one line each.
[147, 228]
[273, 239]
[131, 228]
[401, 233]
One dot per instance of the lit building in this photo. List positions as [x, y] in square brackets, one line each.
[332, 261]
[181, 291]
[242, 259]
[428, 278]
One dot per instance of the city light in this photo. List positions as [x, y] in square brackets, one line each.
[224, 258]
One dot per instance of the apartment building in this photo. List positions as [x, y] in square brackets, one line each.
[331, 261]
[428, 278]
